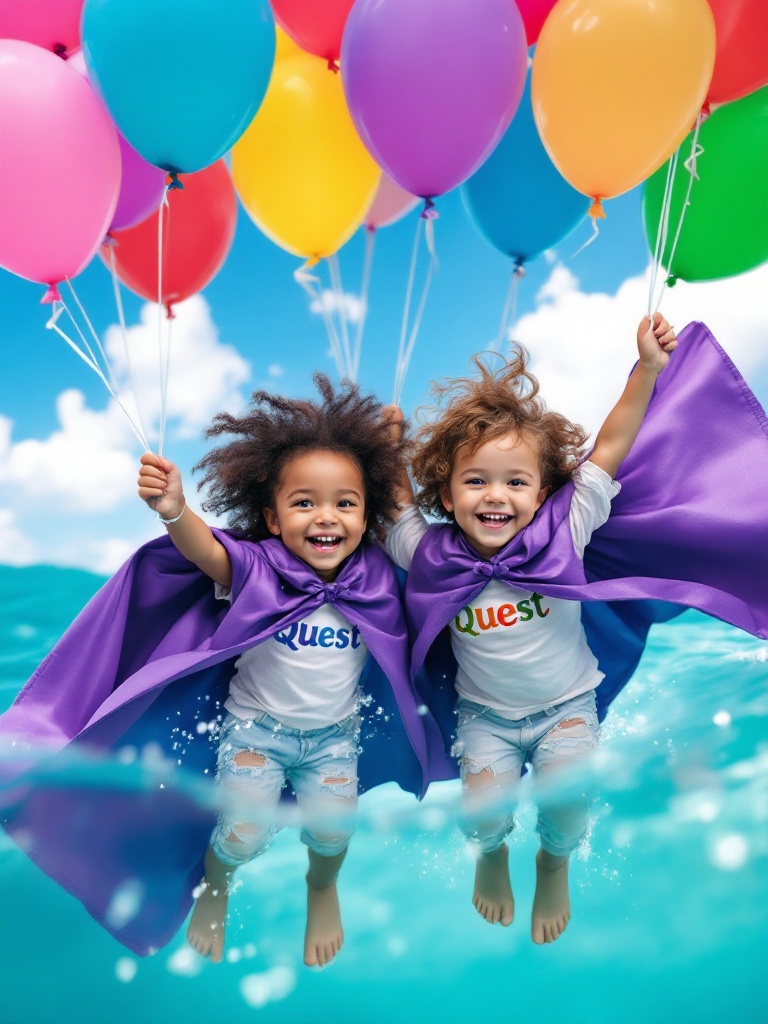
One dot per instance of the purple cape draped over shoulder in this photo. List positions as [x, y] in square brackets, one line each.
[689, 529]
[145, 664]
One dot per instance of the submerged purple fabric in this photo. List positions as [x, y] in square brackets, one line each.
[689, 529]
[145, 663]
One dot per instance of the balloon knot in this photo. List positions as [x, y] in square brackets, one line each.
[333, 65]
[596, 209]
[174, 182]
[169, 314]
[519, 270]
[704, 113]
[429, 212]
[370, 227]
[60, 50]
[51, 295]
[671, 281]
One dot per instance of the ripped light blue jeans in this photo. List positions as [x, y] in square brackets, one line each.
[257, 756]
[487, 742]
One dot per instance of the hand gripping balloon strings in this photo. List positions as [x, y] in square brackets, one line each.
[405, 349]
[509, 313]
[311, 285]
[110, 245]
[89, 358]
[339, 307]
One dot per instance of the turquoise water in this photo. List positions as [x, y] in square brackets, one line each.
[670, 895]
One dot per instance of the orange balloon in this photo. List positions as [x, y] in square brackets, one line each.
[618, 84]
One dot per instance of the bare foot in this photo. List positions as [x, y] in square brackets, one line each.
[551, 904]
[206, 929]
[324, 934]
[493, 897]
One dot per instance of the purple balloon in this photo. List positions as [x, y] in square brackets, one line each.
[141, 188]
[433, 85]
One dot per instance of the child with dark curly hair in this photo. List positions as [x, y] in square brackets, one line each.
[525, 675]
[306, 486]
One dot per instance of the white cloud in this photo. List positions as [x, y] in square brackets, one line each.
[15, 548]
[347, 305]
[583, 345]
[275, 370]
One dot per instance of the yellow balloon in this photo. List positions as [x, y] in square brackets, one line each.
[618, 84]
[285, 45]
[301, 170]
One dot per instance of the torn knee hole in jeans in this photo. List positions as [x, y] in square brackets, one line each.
[247, 829]
[337, 780]
[477, 767]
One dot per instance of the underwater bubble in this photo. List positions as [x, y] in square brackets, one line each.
[268, 986]
[730, 852]
[127, 755]
[249, 950]
[422, 709]
[234, 955]
[396, 945]
[125, 903]
[722, 718]
[125, 969]
[185, 961]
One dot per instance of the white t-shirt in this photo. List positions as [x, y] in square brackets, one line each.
[519, 652]
[304, 676]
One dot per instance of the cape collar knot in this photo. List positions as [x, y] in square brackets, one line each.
[492, 570]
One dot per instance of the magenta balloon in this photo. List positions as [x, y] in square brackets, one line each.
[432, 85]
[389, 204]
[141, 188]
[51, 24]
[59, 165]
[534, 14]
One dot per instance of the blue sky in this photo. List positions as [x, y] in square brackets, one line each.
[67, 464]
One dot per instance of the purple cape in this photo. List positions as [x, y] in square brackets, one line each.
[689, 529]
[148, 661]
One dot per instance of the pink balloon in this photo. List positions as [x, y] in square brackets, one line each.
[534, 13]
[52, 24]
[59, 165]
[389, 204]
[141, 183]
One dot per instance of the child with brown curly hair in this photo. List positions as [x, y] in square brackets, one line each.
[306, 486]
[525, 675]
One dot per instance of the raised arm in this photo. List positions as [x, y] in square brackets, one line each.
[655, 341]
[393, 417]
[161, 487]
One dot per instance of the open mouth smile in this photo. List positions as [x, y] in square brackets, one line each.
[325, 542]
[493, 520]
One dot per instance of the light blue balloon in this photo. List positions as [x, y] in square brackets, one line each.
[518, 200]
[182, 80]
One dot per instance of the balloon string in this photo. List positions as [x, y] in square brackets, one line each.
[89, 359]
[662, 232]
[509, 313]
[334, 273]
[110, 244]
[311, 285]
[370, 244]
[690, 166]
[590, 240]
[94, 335]
[163, 356]
[406, 347]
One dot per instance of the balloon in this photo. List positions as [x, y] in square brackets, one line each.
[52, 24]
[141, 188]
[433, 85]
[300, 170]
[198, 235]
[285, 46]
[181, 85]
[741, 64]
[316, 25]
[59, 165]
[616, 86]
[725, 230]
[534, 14]
[141, 184]
[518, 200]
[389, 204]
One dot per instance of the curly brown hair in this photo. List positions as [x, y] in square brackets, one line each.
[244, 474]
[483, 409]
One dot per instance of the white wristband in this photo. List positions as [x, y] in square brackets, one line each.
[167, 522]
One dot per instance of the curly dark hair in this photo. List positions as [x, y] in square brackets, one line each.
[244, 475]
[483, 409]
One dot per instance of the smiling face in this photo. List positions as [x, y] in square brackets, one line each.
[494, 491]
[319, 510]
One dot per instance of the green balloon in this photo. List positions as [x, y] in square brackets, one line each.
[725, 229]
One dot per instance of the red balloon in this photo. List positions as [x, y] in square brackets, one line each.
[741, 59]
[198, 229]
[314, 25]
[534, 14]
